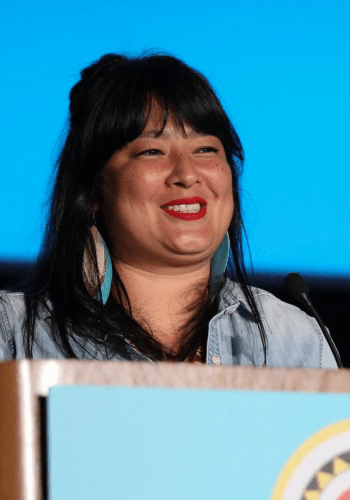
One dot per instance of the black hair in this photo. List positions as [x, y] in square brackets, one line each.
[109, 107]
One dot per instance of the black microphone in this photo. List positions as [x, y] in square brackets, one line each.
[299, 291]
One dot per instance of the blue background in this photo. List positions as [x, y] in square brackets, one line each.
[134, 443]
[281, 70]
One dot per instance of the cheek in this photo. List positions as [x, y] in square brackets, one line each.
[119, 189]
[222, 180]
[138, 184]
[125, 197]
[223, 186]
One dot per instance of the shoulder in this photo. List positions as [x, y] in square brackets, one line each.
[12, 314]
[269, 306]
[44, 339]
[12, 309]
[274, 308]
[293, 337]
[13, 337]
[12, 301]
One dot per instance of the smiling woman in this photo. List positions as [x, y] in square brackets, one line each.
[142, 258]
[167, 200]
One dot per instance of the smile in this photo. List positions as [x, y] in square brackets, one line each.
[188, 211]
[193, 208]
[187, 215]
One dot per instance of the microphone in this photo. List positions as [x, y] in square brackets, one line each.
[295, 285]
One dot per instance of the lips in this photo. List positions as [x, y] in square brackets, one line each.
[186, 201]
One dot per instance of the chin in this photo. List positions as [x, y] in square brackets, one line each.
[199, 246]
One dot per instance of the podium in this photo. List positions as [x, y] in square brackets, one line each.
[25, 386]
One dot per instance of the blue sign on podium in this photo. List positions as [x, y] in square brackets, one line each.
[194, 444]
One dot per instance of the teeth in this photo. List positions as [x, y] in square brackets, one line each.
[190, 209]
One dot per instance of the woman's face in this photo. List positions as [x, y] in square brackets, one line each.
[167, 201]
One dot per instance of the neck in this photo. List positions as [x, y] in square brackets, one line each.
[162, 300]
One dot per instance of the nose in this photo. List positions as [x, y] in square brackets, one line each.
[183, 172]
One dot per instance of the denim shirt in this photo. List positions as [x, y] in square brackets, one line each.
[293, 338]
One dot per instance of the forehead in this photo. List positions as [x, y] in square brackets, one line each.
[160, 125]
[170, 130]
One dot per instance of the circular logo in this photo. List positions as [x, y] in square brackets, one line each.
[320, 468]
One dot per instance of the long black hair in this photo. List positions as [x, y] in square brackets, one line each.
[109, 107]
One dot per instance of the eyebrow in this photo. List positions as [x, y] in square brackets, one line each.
[165, 134]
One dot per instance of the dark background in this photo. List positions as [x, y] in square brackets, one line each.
[329, 294]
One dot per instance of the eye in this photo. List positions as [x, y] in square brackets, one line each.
[208, 149]
[149, 152]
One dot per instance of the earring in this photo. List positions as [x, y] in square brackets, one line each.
[97, 285]
[220, 259]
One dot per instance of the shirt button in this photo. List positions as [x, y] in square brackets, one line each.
[216, 360]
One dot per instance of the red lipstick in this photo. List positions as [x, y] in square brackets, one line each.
[186, 201]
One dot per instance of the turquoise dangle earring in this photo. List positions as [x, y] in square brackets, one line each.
[97, 285]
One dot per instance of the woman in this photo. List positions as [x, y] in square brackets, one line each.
[142, 257]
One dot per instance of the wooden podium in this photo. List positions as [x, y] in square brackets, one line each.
[25, 384]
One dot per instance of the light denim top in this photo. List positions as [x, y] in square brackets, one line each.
[293, 338]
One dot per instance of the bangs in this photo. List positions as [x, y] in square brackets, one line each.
[118, 109]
